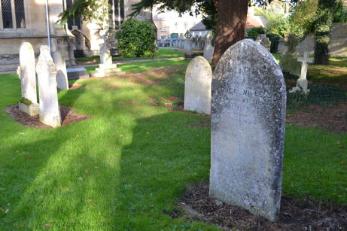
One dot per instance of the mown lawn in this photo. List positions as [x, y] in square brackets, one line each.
[125, 167]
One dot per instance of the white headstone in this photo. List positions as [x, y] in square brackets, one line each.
[197, 93]
[248, 123]
[27, 75]
[46, 75]
[209, 48]
[62, 80]
[302, 83]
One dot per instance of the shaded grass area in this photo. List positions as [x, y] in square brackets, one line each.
[130, 162]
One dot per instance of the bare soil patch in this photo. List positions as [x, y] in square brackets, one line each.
[68, 116]
[172, 103]
[331, 118]
[295, 214]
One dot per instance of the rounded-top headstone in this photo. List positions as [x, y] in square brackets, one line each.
[248, 123]
[27, 72]
[197, 93]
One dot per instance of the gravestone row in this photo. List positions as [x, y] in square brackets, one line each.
[50, 77]
[248, 121]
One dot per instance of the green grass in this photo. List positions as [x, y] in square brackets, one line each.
[161, 53]
[130, 162]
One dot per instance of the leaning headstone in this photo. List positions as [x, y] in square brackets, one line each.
[248, 122]
[62, 80]
[197, 93]
[302, 83]
[209, 48]
[264, 41]
[46, 75]
[27, 75]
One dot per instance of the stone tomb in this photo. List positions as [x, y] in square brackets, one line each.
[27, 75]
[197, 93]
[46, 75]
[248, 123]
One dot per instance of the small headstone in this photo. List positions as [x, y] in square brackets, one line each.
[27, 75]
[209, 48]
[248, 122]
[197, 94]
[188, 48]
[46, 75]
[264, 41]
[62, 80]
[302, 83]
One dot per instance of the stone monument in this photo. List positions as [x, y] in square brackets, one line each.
[248, 124]
[209, 48]
[46, 75]
[62, 79]
[197, 93]
[27, 75]
[302, 83]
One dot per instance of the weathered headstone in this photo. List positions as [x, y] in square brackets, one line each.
[188, 48]
[46, 75]
[197, 94]
[27, 75]
[209, 48]
[302, 83]
[248, 122]
[62, 80]
[264, 41]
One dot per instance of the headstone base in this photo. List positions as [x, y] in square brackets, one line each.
[31, 110]
[105, 71]
[301, 87]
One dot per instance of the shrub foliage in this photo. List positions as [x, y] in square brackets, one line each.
[136, 39]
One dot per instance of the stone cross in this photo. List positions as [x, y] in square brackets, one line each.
[302, 83]
[27, 75]
[248, 123]
[46, 75]
[197, 93]
[62, 80]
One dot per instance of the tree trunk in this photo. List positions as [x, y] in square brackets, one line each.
[231, 23]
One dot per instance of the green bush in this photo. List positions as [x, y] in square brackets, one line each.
[136, 39]
[254, 32]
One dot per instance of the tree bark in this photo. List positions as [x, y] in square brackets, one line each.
[231, 23]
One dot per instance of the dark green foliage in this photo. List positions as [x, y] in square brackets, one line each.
[136, 39]
[254, 32]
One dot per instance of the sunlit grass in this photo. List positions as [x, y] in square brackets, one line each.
[131, 160]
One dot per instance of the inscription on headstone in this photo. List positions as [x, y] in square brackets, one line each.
[248, 122]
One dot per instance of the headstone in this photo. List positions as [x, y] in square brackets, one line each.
[302, 83]
[188, 48]
[27, 75]
[46, 75]
[209, 48]
[62, 80]
[264, 41]
[77, 72]
[197, 94]
[248, 122]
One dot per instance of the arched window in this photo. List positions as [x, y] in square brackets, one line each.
[12, 14]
